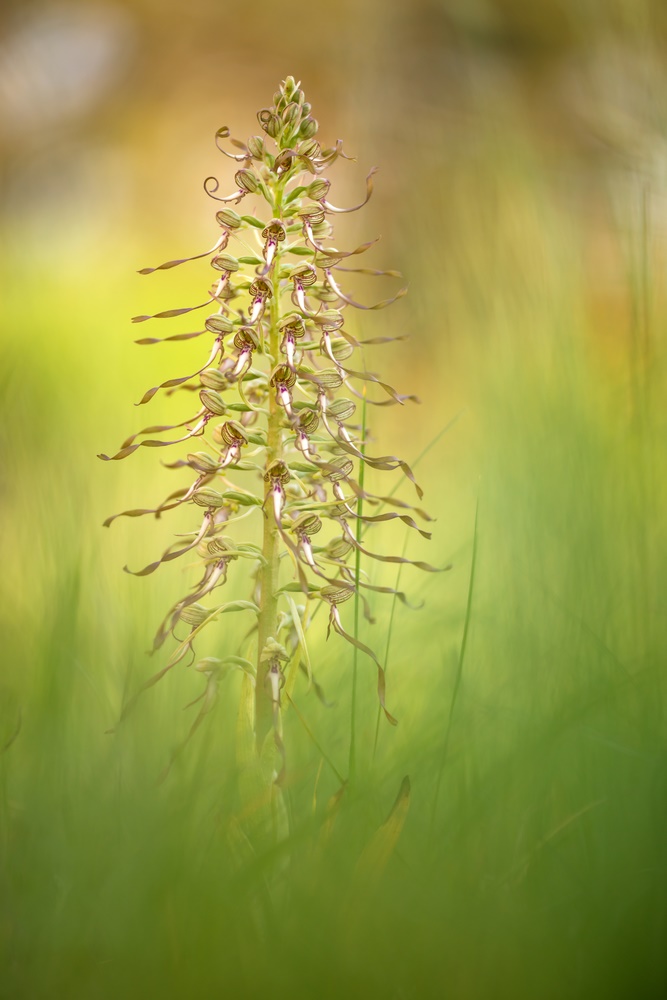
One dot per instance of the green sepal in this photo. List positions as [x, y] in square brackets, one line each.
[245, 466]
[296, 193]
[301, 467]
[257, 438]
[296, 588]
[242, 499]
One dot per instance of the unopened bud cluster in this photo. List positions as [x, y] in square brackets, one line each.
[279, 395]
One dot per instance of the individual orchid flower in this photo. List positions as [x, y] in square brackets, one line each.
[306, 426]
[233, 437]
[303, 276]
[261, 291]
[272, 235]
[245, 341]
[293, 330]
[277, 476]
[304, 528]
[283, 381]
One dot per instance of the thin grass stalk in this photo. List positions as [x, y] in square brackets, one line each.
[457, 679]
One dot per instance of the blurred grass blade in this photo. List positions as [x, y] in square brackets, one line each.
[378, 852]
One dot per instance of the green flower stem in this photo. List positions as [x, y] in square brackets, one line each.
[269, 573]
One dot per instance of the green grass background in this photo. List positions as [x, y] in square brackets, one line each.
[532, 863]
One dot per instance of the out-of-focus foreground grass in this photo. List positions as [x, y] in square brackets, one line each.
[532, 860]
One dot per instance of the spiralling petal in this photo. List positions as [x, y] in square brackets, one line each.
[221, 243]
[357, 305]
[179, 497]
[177, 336]
[210, 191]
[397, 398]
[172, 552]
[385, 463]
[168, 313]
[391, 516]
[129, 449]
[158, 428]
[426, 567]
[375, 273]
[369, 192]
[224, 133]
[332, 251]
[170, 383]
[381, 687]
[382, 590]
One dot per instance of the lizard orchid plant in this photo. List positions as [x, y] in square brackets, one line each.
[276, 396]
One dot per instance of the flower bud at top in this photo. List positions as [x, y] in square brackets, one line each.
[202, 461]
[340, 348]
[212, 378]
[208, 498]
[247, 181]
[256, 147]
[218, 324]
[336, 595]
[229, 218]
[310, 148]
[224, 262]
[270, 122]
[194, 614]
[342, 409]
[331, 318]
[319, 189]
[308, 128]
[328, 378]
[291, 113]
[339, 548]
[213, 402]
